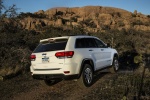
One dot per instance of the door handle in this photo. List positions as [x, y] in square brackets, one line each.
[90, 50]
[102, 49]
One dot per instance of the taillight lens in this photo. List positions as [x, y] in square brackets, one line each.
[33, 57]
[67, 54]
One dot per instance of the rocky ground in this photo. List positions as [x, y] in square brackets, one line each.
[106, 86]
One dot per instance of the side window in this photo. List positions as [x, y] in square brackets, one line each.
[85, 43]
[100, 44]
[90, 43]
[80, 43]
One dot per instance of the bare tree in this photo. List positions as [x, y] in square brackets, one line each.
[2, 7]
[10, 12]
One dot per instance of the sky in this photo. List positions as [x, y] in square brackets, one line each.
[142, 6]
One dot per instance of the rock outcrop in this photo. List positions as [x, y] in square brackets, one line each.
[91, 18]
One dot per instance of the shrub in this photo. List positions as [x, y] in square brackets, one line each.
[148, 16]
[28, 14]
[133, 15]
[137, 22]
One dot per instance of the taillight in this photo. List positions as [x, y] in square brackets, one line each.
[33, 57]
[67, 54]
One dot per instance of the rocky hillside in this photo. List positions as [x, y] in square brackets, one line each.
[89, 18]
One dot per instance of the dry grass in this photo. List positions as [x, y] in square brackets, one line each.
[1, 78]
[9, 72]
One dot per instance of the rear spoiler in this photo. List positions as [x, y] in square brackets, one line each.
[54, 39]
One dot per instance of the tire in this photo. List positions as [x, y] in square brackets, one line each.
[86, 78]
[51, 82]
[115, 66]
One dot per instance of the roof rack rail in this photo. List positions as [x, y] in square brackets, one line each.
[79, 35]
[74, 35]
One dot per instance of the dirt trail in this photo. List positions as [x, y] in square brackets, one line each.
[25, 88]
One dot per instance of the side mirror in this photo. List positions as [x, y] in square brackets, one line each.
[108, 45]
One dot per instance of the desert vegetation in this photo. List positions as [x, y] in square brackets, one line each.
[17, 42]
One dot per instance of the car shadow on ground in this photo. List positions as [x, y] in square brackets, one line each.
[99, 75]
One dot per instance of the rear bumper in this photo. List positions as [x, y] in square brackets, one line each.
[54, 76]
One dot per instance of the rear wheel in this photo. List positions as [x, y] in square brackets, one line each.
[86, 78]
[115, 66]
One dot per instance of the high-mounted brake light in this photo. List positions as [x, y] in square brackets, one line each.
[33, 57]
[67, 54]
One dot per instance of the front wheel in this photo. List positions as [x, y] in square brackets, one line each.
[115, 66]
[86, 78]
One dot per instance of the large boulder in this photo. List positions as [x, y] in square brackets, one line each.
[58, 22]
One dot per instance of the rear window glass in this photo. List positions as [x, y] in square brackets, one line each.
[51, 46]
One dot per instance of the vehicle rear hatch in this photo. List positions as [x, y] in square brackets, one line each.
[43, 57]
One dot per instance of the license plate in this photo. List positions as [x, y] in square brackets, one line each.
[45, 59]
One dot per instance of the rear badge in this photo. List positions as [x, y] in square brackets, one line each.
[44, 54]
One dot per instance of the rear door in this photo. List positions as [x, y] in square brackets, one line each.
[45, 55]
[87, 48]
[94, 52]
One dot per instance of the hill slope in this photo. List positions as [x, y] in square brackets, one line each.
[90, 18]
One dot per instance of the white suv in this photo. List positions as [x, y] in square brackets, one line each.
[72, 57]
